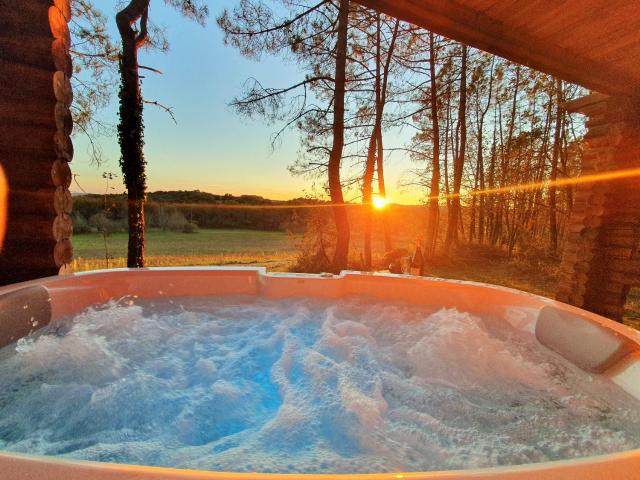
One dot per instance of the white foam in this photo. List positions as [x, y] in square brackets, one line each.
[243, 384]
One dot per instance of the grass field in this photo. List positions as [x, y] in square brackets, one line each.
[206, 247]
[277, 251]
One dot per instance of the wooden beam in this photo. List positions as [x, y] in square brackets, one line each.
[456, 21]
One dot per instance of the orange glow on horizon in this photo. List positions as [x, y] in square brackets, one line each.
[379, 202]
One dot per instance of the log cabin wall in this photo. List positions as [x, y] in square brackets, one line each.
[600, 262]
[35, 144]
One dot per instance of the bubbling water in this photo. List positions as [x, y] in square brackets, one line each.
[302, 385]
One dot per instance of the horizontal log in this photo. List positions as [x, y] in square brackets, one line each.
[576, 227]
[610, 297]
[32, 201]
[599, 188]
[596, 131]
[24, 18]
[576, 300]
[613, 312]
[608, 292]
[62, 227]
[63, 252]
[63, 119]
[603, 163]
[28, 84]
[61, 174]
[593, 100]
[63, 146]
[60, 55]
[593, 157]
[618, 252]
[62, 201]
[30, 114]
[13, 274]
[627, 265]
[626, 233]
[28, 171]
[28, 136]
[37, 226]
[581, 267]
[572, 258]
[590, 234]
[579, 224]
[588, 197]
[563, 292]
[572, 238]
[65, 8]
[604, 141]
[592, 221]
[36, 52]
[576, 278]
[62, 87]
[597, 120]
[65, 269]
[622, 219]
[578, 216]
[621, 242]
[626, 186]
[622, 231]
[630, 279]
[58, 24]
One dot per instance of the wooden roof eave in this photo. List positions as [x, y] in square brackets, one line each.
[455, 21]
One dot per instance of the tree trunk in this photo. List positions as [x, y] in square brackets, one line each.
[380, 156]
[383, 190]
[480, 159]
[458, 165]
[130, 128]
[445, 162]
[553, 221]
[433, 206]
[367, 187]
[341, 254]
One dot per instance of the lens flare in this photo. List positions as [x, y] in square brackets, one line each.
[4, 205]
[379, 202]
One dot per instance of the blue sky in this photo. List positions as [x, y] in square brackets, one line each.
[211, 148]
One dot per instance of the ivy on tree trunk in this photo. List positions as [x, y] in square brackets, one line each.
[131, 127]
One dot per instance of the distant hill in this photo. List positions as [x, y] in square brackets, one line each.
[91, 212]
[198, 197]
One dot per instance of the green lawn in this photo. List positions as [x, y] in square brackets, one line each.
[206, 247]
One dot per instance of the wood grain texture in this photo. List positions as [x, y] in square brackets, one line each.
[598, 269]
[595, 43]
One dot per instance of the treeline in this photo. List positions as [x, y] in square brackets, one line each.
[472, 123]
[188, 210]
[480, 124]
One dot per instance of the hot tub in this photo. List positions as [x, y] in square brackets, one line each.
[605, 349]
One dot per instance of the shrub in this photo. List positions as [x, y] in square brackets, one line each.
[102, 223]
[190, 227]
[80, 224]
[176, 221]
[313, 243]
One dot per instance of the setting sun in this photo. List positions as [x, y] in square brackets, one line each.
[379, 202]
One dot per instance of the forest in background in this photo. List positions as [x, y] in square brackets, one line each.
[479, 123]
[475, 122]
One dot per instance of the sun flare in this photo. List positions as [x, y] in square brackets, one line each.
[379, 202]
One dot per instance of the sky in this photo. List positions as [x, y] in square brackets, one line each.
[211, 148]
